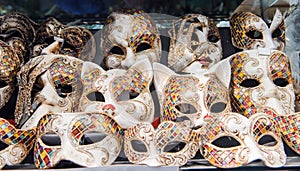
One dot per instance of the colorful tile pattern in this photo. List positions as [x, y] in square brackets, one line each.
[279, 66]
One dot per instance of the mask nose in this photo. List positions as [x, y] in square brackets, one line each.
[129, 60]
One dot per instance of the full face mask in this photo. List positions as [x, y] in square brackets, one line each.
[249, 31]
[260, 81]
[231, 140]
[87, 139]
[48, 83]
[18, 30]
[122, 94]
[19, 143]
[195, 44]
[129, 36]
[10, 64]
[73, 41]
[144, 145]
[189, 98]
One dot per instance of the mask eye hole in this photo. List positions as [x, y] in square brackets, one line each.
[143, 46]
[117, 50]
[281, 82]
[138, 146]
[254, 34]
[92, 138]
[64, 90]
[3, 84]
[51, 139]
[267, 140]
[213, 38]
[174, 146]
[218, 107]
[250, 83]
[127, 95]
[226, 142]
[96, 96]
[186, 108]
[199, 28]
[3, 145]
[277, 33]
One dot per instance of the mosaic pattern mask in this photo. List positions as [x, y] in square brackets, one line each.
[52, 37]
[232, 140]
[261, 81]
[9, 66]
[87, 139]
[48, 83]
[195, 44]
[19, 143]
[189, 98]
[249, 31]
[129, 36]
[122, 94]
[144, 145]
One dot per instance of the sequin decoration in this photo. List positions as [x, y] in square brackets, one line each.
[133, 81]
[279, 67]
[83, 125]
[240, 102]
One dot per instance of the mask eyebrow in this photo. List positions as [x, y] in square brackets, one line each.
[277, 20]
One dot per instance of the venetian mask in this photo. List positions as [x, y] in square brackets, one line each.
[249, 31]
[189, 98]
[87, 139]
[231, 140]
[48, 83]
[10, 64]
[144, 145]
[122, 94]
[195, 44]
[260, 81]
[19, 143]
[18, 31]
[129, 36]
[68, 40]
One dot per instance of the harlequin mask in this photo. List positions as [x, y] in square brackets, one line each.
[249, 31]
[10, 65]
[69, 40]
[231, 140]
[48, 83]
[260, 81]
[87, 139]
[19, 143]
[19, 32]
[129, 36]
[189, 98]
[144, 145]
[122, 94]
[195, 44]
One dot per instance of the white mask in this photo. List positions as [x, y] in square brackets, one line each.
[189, 98]
[155, 144]
[122, 94]
[73, 129]
[195, 44]
[129, 36]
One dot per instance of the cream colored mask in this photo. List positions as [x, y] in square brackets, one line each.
[127, 37]
[189, 98]
[249, 31]
[87, 139]
[195, 44]
[19, 143]
[48, 83]
[231, 140]
[260, 79]
[144, 145]
[122, 94]
[10, 64]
